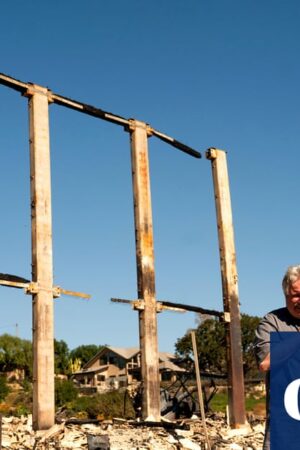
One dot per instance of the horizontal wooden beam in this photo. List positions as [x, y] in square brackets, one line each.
[13, 83]
[32, 287]
[14, 284]
[169, 140]
[174, 306]
[22, 87]
[62, 291]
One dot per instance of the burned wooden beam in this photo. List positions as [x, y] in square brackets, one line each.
[90, 110]
[169, 140]
[9, 277]
[181, 307]
[13, 83]
[13, 280]
[162, 424]
[196, 309]
[75, 421]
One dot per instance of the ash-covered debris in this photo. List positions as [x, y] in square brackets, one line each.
[17, 434]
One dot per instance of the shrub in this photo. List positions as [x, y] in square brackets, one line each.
[22, 410]
[4, 389]
[22, 402]
[26, 385]
[105, 406]
[65, 392]
[87, 405]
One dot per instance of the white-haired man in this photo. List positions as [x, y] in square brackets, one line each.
[282, 319]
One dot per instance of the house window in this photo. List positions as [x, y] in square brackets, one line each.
[121, 363]
[100, 377]
[137, 376]
[166, 376]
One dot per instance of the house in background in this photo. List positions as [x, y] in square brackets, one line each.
[113, 368]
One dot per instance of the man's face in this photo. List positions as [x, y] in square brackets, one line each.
[293, 300]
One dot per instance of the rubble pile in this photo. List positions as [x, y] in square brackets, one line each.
[17, 434]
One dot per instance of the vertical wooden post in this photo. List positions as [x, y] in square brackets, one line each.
[229, 286]
[199, 387]
[42, 270]
[145, 270]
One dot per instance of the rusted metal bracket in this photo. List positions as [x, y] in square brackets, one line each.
[33, 288]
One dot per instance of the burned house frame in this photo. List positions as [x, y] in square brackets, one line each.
[41, 286]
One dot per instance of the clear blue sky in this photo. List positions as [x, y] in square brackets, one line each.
[221, 74]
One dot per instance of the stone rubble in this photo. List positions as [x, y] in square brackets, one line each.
[17, 434]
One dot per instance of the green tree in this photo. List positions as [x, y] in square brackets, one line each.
[211, 344]
[85, 352]
[210, 338]
[15, 353]
[249, 325]
[28, 357]
[61, 357]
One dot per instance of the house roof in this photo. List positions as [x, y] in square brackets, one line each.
[166, 356]
[126, 353]
[86, 371]
[169, 365]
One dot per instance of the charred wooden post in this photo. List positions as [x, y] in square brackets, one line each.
[145, 270]
[199, 387]
[42, 270]
[229, 286]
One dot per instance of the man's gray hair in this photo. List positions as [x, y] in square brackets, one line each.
[292, 274]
